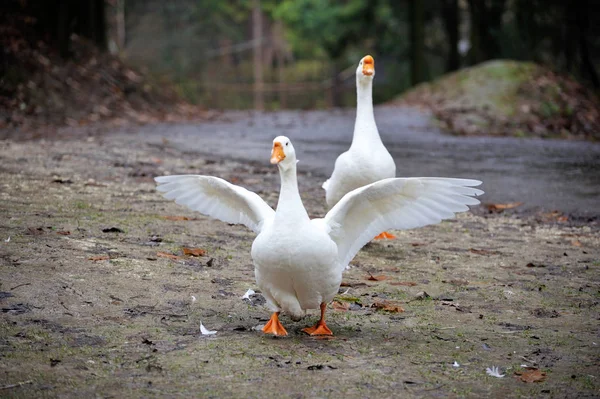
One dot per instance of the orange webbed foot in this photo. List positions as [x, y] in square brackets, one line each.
[318, 329]
[385, 236]
[274, 326]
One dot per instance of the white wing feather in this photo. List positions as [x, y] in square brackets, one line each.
[216, 198]
[395, 203]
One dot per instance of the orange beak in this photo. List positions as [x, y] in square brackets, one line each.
[368, 65]
[277, 155]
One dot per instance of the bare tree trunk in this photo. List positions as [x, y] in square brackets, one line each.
[475, 15]
[92, 26]
[62, 30]
[336, 94]
[486, 26]
[493, 28]
[95, 26]
[279, 47]
[329, 90]
[587, 66]
[417, 42]
[259, 101]
[528, 30]
[451, 23]
[281, 79]
[121, 24]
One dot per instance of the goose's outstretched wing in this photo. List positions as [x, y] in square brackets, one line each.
[216, 198]
[396, 203]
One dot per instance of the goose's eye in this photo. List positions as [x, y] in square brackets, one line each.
[286, 144]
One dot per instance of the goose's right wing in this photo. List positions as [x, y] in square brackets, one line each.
[217, 198]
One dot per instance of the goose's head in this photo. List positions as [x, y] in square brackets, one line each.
[283, 153]
[366, 69]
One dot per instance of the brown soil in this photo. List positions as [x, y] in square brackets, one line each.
[92, 307]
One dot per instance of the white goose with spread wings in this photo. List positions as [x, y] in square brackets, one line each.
[298, 261]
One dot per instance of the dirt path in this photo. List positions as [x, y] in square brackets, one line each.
[91, 307]
[543, 174]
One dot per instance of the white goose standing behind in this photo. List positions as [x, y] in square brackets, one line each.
[367, 160]
[299, 262]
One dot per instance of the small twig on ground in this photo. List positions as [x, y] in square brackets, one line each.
[20, 285]
[18, 384]
[528, 360]
[115, 298]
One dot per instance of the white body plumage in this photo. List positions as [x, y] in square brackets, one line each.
[296, 266]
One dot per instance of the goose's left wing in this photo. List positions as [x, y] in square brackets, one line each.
[396, 203]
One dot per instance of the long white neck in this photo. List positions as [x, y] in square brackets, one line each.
[365, 129]
[289, 206]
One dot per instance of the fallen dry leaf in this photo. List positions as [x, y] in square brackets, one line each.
[555, 215]
[194, 251]
[97, 258]
[377, 278]
[501, 207]
[406, 283]
[552, 214]
[93, 183]
[531, 375]
[64, 233]
[35, 231]
[388, 307]
[340, 306]
[418, 244]
[576, 243]
[168, 256]
[176, 218]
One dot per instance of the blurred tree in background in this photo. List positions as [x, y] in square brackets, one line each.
[303, 53]
[55, 21]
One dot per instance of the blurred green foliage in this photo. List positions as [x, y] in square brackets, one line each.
[210, 41]
[326, 25]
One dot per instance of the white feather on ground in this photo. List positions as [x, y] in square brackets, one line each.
[494, 372]
[206, 331]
